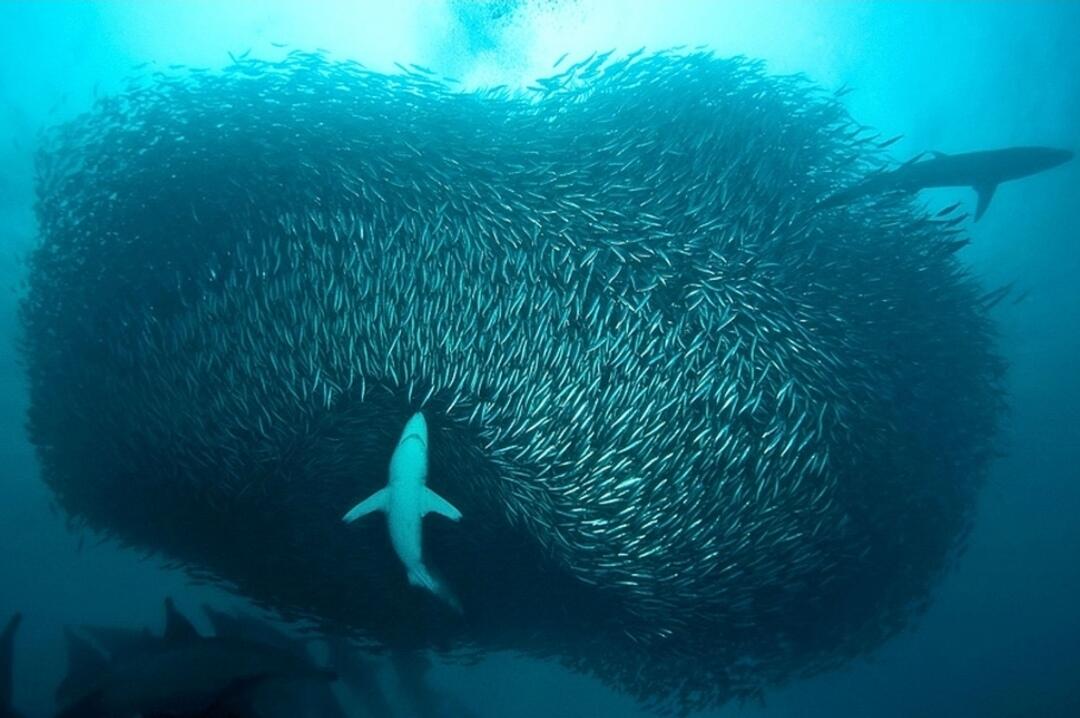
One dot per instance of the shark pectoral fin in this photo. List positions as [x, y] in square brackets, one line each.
[376, 502]
[432, 502]
[986, 193]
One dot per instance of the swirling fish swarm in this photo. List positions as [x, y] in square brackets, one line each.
[706, 435]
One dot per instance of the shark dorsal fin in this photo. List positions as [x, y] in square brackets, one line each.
[177, 626]
[7, 660]
[86, 666]
[986, 193]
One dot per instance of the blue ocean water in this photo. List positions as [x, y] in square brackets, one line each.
[1001, 636]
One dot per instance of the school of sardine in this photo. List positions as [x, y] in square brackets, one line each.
[706, 436]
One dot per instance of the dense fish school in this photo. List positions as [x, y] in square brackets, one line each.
[706, 435]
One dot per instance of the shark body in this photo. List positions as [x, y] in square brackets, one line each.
[982, 171]
[406, 499]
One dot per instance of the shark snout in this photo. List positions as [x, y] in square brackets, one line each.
[415, 428]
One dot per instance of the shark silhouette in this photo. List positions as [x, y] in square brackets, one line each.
[983, 171]
[406, 499]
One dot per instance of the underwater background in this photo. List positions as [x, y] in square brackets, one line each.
[1001, 636]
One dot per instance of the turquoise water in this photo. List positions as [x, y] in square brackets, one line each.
[1000, 635]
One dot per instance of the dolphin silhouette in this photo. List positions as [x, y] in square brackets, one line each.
[182, 673]
[982, 171]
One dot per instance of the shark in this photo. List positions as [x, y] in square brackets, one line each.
[406, 499]
[179, 674]
[983, 171]
[7, 661]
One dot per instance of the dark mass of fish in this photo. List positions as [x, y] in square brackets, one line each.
[706, 435]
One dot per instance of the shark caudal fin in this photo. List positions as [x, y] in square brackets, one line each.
[378, 501]
[419, 576]
[986, 193]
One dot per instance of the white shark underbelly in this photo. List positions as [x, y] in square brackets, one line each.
[406, 499]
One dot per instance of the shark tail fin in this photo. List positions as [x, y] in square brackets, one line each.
[421, 577]
[986, 193]
[378, 501]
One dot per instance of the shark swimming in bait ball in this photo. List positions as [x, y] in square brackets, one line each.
[683, 426]
[982, 171]
[406, 499]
